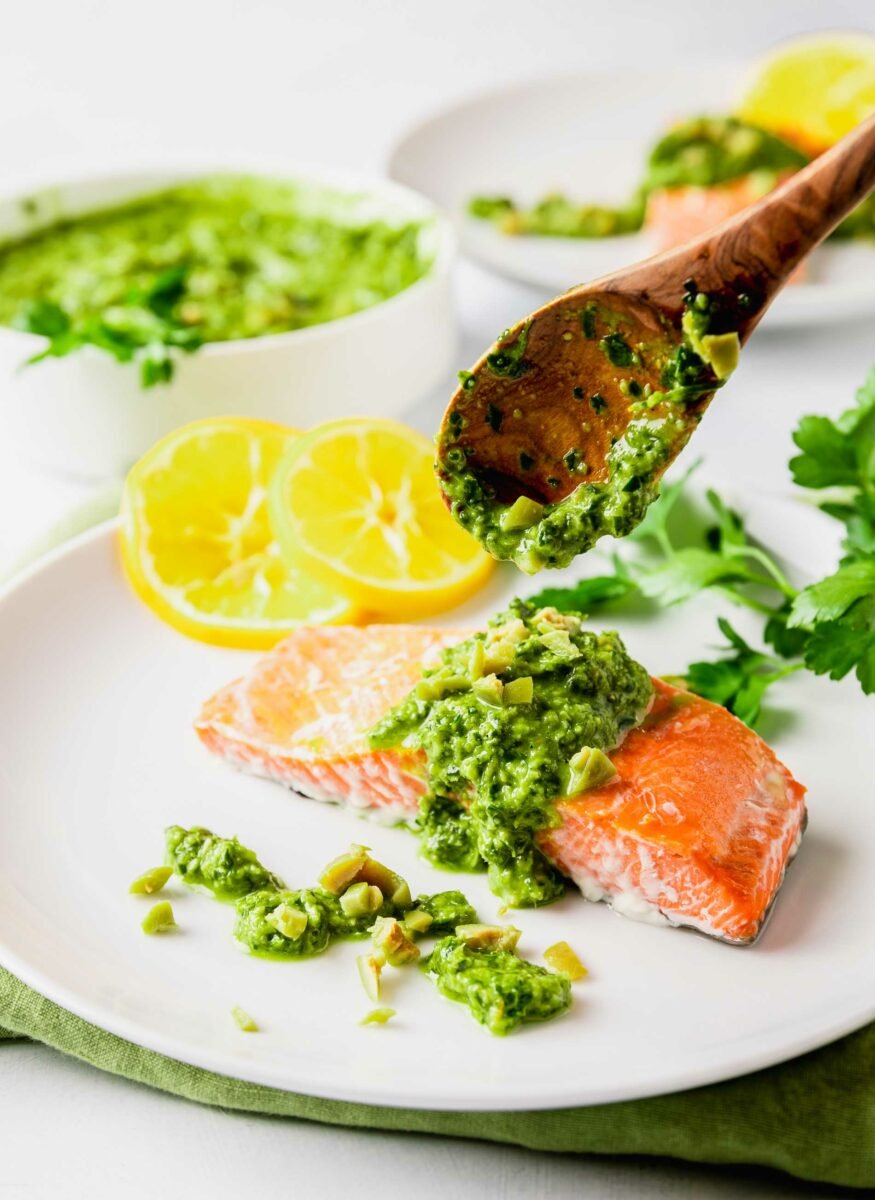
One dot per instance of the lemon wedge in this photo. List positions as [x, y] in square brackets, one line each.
[355, 504]
[196, 539]
[812, 90]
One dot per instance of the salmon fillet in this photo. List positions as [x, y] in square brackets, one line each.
[679, 214]
[302, 713]
[696, 828]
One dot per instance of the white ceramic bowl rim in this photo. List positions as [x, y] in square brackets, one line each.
[408, 201]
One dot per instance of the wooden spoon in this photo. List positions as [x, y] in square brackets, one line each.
[537, 415]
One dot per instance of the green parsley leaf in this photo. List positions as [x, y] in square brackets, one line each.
[587, 594]
[740, 680]
[690, 571]
[43, 318]
[836, 647]
[832, 597]
[839, 453]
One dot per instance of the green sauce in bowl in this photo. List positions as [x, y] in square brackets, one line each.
[212, 260]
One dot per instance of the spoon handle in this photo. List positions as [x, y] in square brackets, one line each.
[755, 252]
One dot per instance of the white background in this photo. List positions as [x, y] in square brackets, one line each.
[336, 82]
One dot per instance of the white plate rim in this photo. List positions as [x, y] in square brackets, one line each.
[810, 303]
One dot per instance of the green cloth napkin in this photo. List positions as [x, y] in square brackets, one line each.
[813, 1117]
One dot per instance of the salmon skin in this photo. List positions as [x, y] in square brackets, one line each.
[696, 828]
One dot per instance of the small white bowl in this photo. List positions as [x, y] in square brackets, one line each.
[87, 415]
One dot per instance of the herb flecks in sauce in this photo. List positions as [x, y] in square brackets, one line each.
[612, 498]
[260, 921]
[503, 762]
[475, 964]
[214, 260]
[502, 990]
[509, 360]
[221, 865]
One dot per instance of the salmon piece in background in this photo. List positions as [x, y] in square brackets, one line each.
[679, 214]
[696, 829]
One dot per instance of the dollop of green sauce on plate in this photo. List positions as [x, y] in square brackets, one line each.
[220, 865]
[326, 922]
[502, 990]
[500, 720]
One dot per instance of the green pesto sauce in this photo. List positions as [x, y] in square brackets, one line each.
[326, 922]
[613, 506]
[571, 526]
[214, 260]
[447, 910]
[501, 990]
[510, 762]
[447, 834]
[221, 865]
[704, 151]
[707, 151]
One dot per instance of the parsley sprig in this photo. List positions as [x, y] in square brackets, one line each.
[144, 328]
[827, 627]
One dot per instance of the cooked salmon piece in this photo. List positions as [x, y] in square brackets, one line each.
[696, 828]
[302, 714]
[679, 214]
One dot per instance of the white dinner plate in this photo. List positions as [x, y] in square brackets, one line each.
[588, 136]
[97, 755]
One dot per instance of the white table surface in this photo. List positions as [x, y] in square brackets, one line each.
[109, 81]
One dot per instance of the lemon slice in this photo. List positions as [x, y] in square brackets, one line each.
[355, 503]
[196, 539]
[814, 89]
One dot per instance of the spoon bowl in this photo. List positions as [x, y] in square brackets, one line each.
[548, 413]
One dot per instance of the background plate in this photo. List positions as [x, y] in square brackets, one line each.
[588, 135]
[97, 755]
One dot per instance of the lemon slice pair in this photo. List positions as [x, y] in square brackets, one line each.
[235, 531]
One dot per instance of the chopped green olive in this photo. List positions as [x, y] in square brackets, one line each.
[589, 768]
[150, 881]
[433, 689]
[418, 921]
[344, 870]
[159, 918]
[476, 661]
[523, 513]
[361, 899]
[391, 939]
[560, 957]
[489, 937]
[288, 921]
[357, 866]
[447, 910]
[559, 642]
[721, 351]
[369, 969]
[498, 656]
[488, 689]
[378, 1016]
[519, 691]
[243, 1020]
